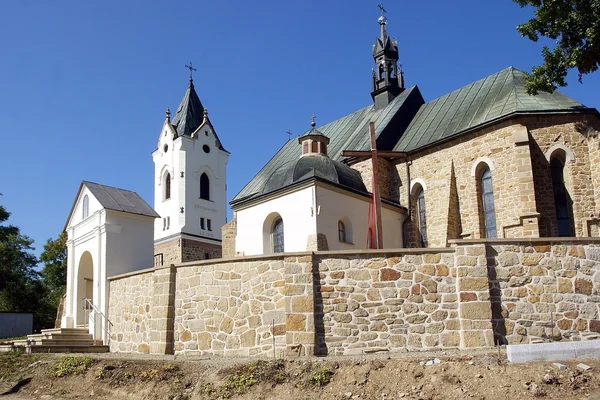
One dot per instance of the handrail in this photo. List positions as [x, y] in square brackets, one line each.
[89, 305]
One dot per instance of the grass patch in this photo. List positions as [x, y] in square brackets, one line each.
[15, 362]
[321, 376]
[240, 378]
[73, 365]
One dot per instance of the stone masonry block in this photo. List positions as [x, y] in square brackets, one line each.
[475, 310]
[473, 284]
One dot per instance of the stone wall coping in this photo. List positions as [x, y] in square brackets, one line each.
[332, 253]
[579, 240]
[132, 273]
[415, 250]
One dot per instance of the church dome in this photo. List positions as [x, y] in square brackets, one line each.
[315, 166]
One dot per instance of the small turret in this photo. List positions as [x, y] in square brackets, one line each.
[314, 141]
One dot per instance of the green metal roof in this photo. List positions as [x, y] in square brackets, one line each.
[487, 100]
[349, 132]
[409, 124]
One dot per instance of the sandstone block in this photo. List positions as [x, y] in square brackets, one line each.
[430, 285]
[475, 310]
[248, 339]
[302, 304]
[143, 348]
[583, 286]
[295, 322]
[468, 296]
[475, 284]
[595, 326]
[565, 285]
[531, 259]
[186, 336]
[473, 339]
[432, 258]
[442, 270]
[397, 340]
[439, 315]
[359, 274]
[450, 339]
[388, 274]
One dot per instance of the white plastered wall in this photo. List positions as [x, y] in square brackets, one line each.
[299, 220]
[335, 205]
[311, 210]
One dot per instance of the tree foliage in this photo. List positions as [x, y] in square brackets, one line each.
[22, 288]
[574, 25]
[54, 273]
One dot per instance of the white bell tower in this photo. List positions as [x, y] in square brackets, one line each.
[189, 185]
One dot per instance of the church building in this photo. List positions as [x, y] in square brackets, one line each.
[484, 161]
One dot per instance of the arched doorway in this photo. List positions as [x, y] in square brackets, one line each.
[85, 286]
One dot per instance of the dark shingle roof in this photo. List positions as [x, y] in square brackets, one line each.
[479, 103]
[113, 198]
[347, 133]
[190, 115]
[190, 112]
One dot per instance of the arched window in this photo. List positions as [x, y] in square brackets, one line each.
[204, 187]
[422, 217]
[561, 198]
[342, 232]
[86, 207]
[487, 203]
[168, 186]
[277, 236]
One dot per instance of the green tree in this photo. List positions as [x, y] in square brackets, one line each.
[574, 25]
[54, 274]
[21, 289]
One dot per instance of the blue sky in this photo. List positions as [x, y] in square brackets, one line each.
[84, 85]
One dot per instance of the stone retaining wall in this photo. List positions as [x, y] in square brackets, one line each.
[476, 294]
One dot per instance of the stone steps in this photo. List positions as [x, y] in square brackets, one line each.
[59, 340]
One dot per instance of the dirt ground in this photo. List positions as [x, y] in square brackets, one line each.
[396, 376]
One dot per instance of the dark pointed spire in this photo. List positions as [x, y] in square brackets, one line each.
[190, 112]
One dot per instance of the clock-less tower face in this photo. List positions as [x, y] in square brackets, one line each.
[190, 180]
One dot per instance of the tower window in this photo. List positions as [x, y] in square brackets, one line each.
[168, 186]
[487, 203]
[206, 149]
[204, 187]
[86, 207]
[422, 217]
[342, 232]
[202, 223]
[208, 224]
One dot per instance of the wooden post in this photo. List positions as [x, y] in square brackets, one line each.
[376, 194]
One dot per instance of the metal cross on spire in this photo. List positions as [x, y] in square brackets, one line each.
[191, 68]
[380, 5]
[312, 120]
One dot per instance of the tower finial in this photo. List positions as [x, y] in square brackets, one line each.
[382, 20]
[168, 114]
[191, 68]
[312, 120]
